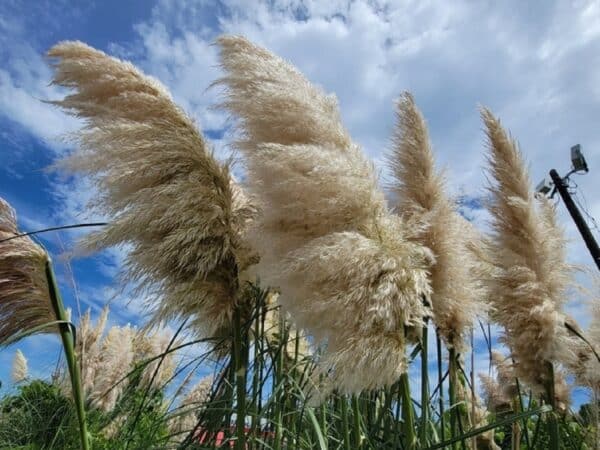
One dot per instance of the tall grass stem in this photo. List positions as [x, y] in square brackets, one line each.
[408, 426]
[240, 360]
[424, 387]
[68, 341]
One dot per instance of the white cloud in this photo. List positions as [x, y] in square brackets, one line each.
[510, 57]
[24, 85]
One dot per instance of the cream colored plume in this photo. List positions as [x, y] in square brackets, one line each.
[157, 372]
[20, 371]
[421, 195]
[493, 394]
[186, 415]
[296, 346]
[346, 270]
[562, 391]
[166, 195]
[502, 391]
[530, 276]
[485, 440]
[477, 416]
[116, 362]
[585, 366]
[108, 360]
[506, 376]
[89, 348]
[24, 294]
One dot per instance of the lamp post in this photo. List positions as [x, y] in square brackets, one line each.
[560, 185]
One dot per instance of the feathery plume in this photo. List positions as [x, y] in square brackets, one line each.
[593, 332]
[585, 365]
[158, 372]
[19, 368]
[493, 394]
[506, 376]
[530, 276]
[169, 199]
[192, 404]
[502, 391]
[562, 391]
[274, 329]
[477, 415]
[24, 295]
[485, 440]
[420, 193]
[346, 270]
[116, 361]
[107, 359]
[89, 348]
[115, 427]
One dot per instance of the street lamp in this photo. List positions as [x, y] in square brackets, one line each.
[560, 184]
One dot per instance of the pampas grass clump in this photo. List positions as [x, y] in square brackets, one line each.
[346, 270]
[108, 360]
[167, 197]
[105, 360]
[420, 195]
[24, 295]
[530, 276]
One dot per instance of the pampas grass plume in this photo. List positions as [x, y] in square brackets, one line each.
[148, 345]
[20, 371]
[24, 295]
[584, 364]
[116, 361]
[530, 275]
[273, 328]
[346, 271]
[420, 194]
[107, 359]
[167, 197]
[191, 405]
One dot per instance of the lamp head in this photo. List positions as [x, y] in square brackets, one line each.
[545, 186]
[578, 160]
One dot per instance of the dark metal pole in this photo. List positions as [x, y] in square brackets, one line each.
[587, 235]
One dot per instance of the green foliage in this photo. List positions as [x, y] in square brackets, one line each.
[119, 429]
[38, 416]
[588, 413]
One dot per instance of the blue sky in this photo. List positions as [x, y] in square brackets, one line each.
[535, 64]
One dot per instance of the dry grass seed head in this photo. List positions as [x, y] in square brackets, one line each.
[530, 274]
[277, 324]
[148, 346]
[581, 360]
[420, 194]
[108, 359]
[167, 196]
[24, 296]
[346, 271]
[19, 371]
[493, 394]
[116, 361]
[191, 405]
